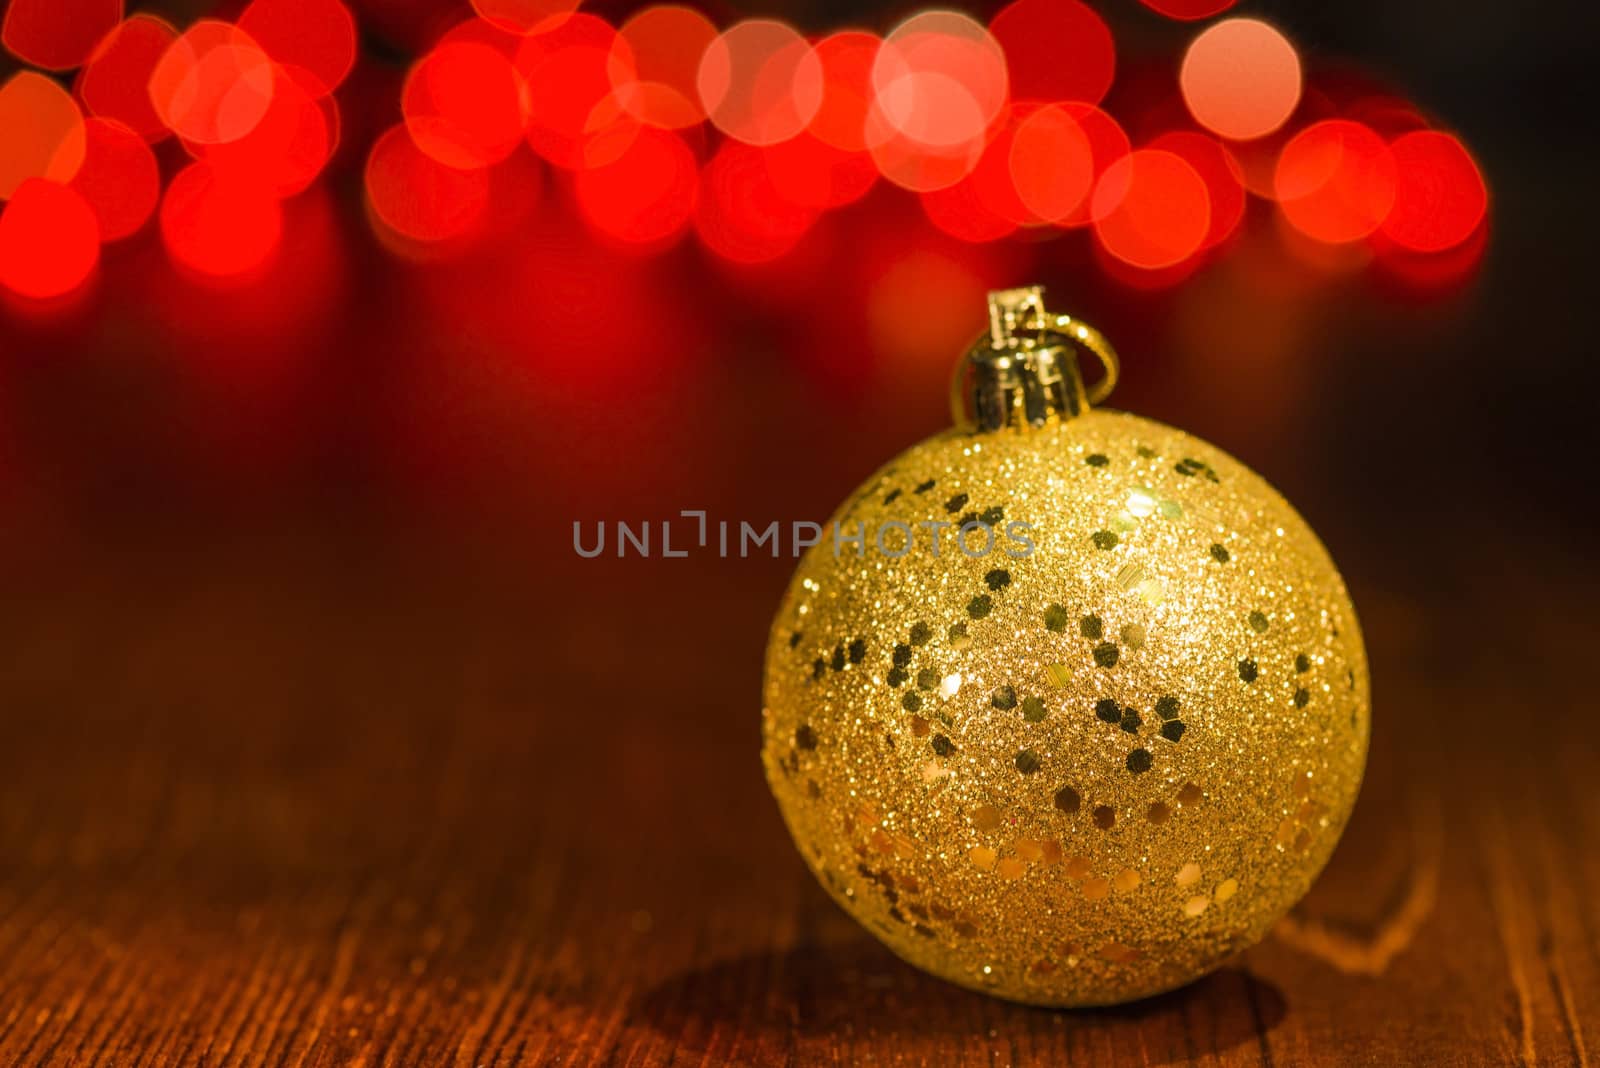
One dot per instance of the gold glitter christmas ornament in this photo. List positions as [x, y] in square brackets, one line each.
[1066, 705]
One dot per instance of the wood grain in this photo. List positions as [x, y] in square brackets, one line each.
[304, 802]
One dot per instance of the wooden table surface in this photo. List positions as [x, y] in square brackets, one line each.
[304, 801]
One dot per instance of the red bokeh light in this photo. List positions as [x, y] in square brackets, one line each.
[657, 64]
[521, 16]
[810, 172]
[572, 64]
[741, 215]
[49, 240]
[1143, 279]
[1051, 164]
[57, 34]
[317, 37]
[989, 187]
[1188, 10]
[1440, 198]
[220, 223]
[465, 104]
[1052, 140]
[1258, 159]
[484, 32]
[847, 59]
[940, 93]
[41, 132]
[1108, 143]
[646, 195]
[760, 82]
[418, 197]
[115, 83]
[1430, 273]
[940, 82]
[612, 132]
[292, 143]
[1219, 170]
[213, 84]
[1241, 79]
[1056, 50]
[960, 211]
[1335, 181]
[119, 179]
[1152, 210]
[915, 166]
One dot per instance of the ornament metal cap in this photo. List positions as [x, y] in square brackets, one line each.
[1024, 371]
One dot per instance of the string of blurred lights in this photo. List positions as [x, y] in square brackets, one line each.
[665, 126]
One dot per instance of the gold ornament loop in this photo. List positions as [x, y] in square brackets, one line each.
[1086, 336]
[1024, 371]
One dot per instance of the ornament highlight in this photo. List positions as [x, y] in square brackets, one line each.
[1083, 774]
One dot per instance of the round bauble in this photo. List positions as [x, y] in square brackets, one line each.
[1091, 736]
